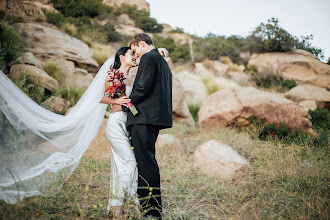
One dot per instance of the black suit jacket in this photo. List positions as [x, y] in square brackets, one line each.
[152, 92]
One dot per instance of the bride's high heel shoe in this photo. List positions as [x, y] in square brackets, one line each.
[117, 212]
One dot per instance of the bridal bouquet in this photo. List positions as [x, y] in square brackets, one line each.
[118, 87]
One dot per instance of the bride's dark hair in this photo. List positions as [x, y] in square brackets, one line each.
[121, 51]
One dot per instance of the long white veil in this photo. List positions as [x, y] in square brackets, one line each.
[40, 149]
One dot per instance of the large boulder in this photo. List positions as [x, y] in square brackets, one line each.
[141, 4]
[35, 6]
[299, 65]
[125, 19]
[44, 79]
[28, 58]
[308, 92]
[217, 159]
[233, 106]
[194, 91]
[41, 41]
[56, 104]
[180, 108]
[128, 30]
[170, 144]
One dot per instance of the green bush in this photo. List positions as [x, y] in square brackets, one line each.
[141, 17]
[305, 44]
[71, 93]
[177, 52]
[212, 47]
[56, 19]
[55, 70]
[194, 109]
[270, 37]
[178, 30]
[289, 84]
[79, 8]
[30, 87]
[111, 32]
[274, 132]
[320, 118]
[10, 43]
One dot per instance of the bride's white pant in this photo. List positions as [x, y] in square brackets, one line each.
[123, 174]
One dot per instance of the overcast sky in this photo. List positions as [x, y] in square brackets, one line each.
[240, 17]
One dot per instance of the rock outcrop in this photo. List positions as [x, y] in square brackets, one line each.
[44, 41]
[233, 106]
[194, 92]
[141, 4]
[303, 93]
[299, 65]
[217, 159]
[170, 144]
[44, 79]
[56, 104]
[180, 108]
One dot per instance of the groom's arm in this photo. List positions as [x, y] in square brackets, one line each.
[145, 83]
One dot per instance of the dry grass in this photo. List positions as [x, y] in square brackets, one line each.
[101, 52]
[70, 29]
[213, 84]
[284, 182]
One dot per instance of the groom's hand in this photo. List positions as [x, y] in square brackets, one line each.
[116, 108]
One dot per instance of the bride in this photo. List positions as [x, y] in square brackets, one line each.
[123, 174]
[39, 149]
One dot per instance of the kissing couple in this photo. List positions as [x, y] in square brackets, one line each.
[134, 168]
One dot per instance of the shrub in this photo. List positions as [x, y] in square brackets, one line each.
[289, 84]
[101, 52]
[30, 87]
[271, 37]
[71, 93]
[213, 47]
[141, 18]
[79, 8]
[55, 70]
[111, 32]
[194, 109]
[211, 85]
[37, 16]
[178, 30]
[305, 44]
[56, 19]
[281, 132]
[70, 29]
[177, 52]
[320, 118]
[10, 42]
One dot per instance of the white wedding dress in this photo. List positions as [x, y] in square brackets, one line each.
[123, 174]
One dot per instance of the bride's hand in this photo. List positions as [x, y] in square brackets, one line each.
[163, 51]
[123, 100]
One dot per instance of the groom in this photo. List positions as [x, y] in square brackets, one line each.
[152, 97]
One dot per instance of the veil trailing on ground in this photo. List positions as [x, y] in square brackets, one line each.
[40, 149]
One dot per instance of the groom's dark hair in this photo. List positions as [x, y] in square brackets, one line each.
[141, 37]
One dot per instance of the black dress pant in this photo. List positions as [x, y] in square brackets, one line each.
[143, 139]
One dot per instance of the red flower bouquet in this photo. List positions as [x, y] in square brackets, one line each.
[118, 87]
